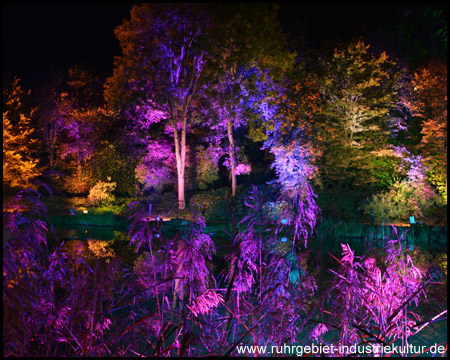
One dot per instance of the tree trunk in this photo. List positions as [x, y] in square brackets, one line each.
[180, 154]
[181, 199]
[232, 158]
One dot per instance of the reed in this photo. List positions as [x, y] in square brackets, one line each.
[85, 298]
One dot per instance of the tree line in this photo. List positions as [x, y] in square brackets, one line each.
[197, 86]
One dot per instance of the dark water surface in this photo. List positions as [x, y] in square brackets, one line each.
[101, 241]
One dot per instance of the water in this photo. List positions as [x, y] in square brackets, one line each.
[100, 242]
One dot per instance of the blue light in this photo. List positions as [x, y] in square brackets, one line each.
[283, 239]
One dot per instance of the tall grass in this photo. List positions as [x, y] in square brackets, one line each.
[81, 299]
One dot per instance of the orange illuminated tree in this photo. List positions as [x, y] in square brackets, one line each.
[20, 165]
[430, 86]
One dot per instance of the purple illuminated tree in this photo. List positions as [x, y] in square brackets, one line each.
[159, 72]
[53, 109]
[249, 50]
[71, 119]
[289, 137]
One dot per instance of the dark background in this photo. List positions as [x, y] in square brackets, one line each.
[38, 37]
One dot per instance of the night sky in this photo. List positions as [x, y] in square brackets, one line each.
[41, 37]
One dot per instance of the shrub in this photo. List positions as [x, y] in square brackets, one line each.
[74, 184]
[207, 170]
[215, 204]
[273, 209]
[404, 198]
[101, 192]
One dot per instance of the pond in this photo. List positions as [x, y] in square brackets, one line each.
[97, 243]
[91, 293]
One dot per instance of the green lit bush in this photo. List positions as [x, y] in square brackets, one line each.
[215, 203]
[405, 198]
[101, 192]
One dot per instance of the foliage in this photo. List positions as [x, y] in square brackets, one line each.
[384, 169]
[156, 169]
[273, 209]
[430, 84]
[192, 252]
[101, 192]
[244, 65]
[214, 203]
[207, 166]
[411, 196]
[287, 299]
[281, 285]
[403, 199]
[293, 171]
[110, 161]
[163, 57]
[81, 299]
[20, 164]
[245, 264]
[73, 120]
[376, 299]
[358, 92]
[438, 177]
[417, 34]
[53, 110]
[297, 108]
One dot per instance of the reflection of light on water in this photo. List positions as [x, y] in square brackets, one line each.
[100, 248]
[90, 248]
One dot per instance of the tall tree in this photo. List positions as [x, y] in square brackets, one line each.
[248, 50]
[81, 109]
[159, 71]
[293, 140]
[358, 92]
[53, 110]
[19, 162]
[430, 85]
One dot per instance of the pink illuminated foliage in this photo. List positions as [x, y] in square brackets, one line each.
[157, 166]
[162, 59]
[377, 299]
[193, 251]
[262, 301]
[41, 317]
[195, 83]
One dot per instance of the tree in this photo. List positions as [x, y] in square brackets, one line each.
[159, 71]
[81, 110]
[417, 34]
[248, 52]
[53, 107]
[358, 92]
[19, 162]
[430, 85]
[292, 140]
[53, 112]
